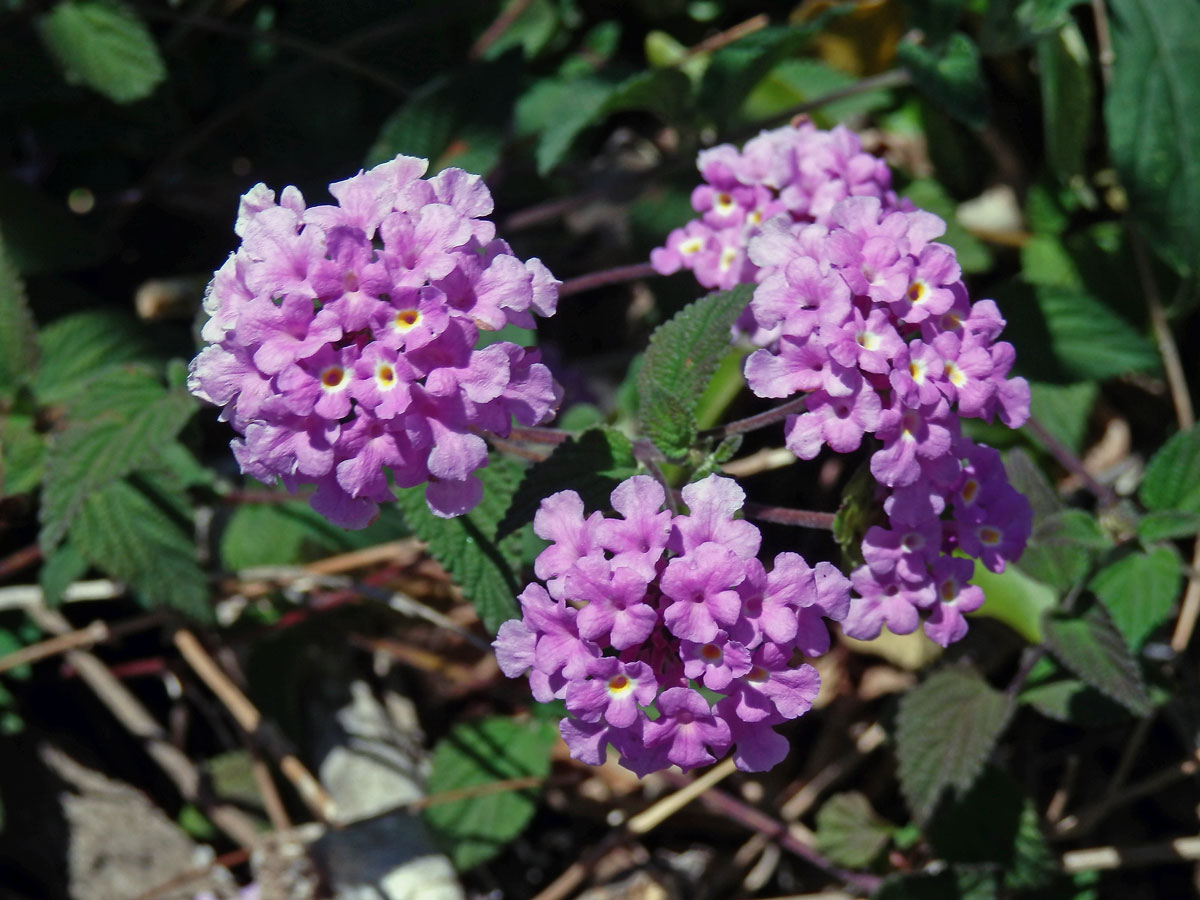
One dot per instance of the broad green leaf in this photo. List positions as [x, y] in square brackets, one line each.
[1062, 548]
[936, 19]
[104, 45]
[1089, 340]
[61, 569]
[1010, 24]
[532, 30]
[1153, 129]
[140, 534]
[119, 425]
[1065, 69]
[18, 347]
[434, 123]
[22, 454]
[973, 254]
[856, 514]
[951, 78]
[664, 92]
[1064, 410]
[794, 81]
[681, 359]
[946, 728]
[466, 545]
[1015, 599]
[475, 754]
[994, 823]
[557, 111]
[738, 67]
[1092, 648]
[850, 832]
[1057, 695]
[1024, 475]
[277, 534]
[1172, 479]
[591, 464]
[1139, 591]
[80, 346]
[1168, 525]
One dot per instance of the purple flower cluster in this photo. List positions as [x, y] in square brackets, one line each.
[638, 612]
[342, 339]
[799, 172]
[875, 326]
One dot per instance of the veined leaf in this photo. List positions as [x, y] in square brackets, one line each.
[945, 730]
[1057, 695]
[738, 67]
[682, 357]
[1172, 479]
[78, 347]
[480, 753]
[1092, 648]
[140, 533]
[591, 464]
[1089, 340]
[126, 417]
[951, 78]
[1167, 525]
[104, 45]
[1065, 68]
[1153, 129]
[850, 832]
[466, 546]
[1062, 548]
[1139, 591]
[22, 454]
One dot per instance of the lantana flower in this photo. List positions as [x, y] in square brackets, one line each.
[637, 613]
[342, 339]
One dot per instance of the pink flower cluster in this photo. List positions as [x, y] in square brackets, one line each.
[342, 339]
[875, 326]
[799, 172]
[638, 612]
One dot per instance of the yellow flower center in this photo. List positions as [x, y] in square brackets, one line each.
[407, 319]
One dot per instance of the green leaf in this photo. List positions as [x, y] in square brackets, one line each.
[850, 832]
[1089, 340]
[479, 753]
[466, 546]
[736, 68]
[1058, 696]
[1065, 69]
[591, 464]
[945, 729]
[557, 111]
[952, 78]
[681, 359]
[61, 569]
[1168, 525]
[1172, 479]
[796, 81]
[140, 533]
[22, 455]
[1062, 548]
[1139, 591]
[119, 425]
[460, 119]
[1092, 648]
[277, 534]
[532, 30]
[1063, 409]
[78, 347]
[994, 823]
[1153, 129]
[1015, 599]
[18, 346]
[664, 92]
[1010, 24]
[104, 45]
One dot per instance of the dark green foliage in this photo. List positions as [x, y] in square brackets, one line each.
[467, 546]
[475, 829]
[1139, 591]
[1092, 648]
[850, 832]
[1172, 479]
[946, 728]
[682, 357]
[1153, 132]
[951, 77]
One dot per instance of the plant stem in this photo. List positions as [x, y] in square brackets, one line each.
[761, 420]
[1072, 463]
[782, 515]
[538, 435]
[615, 275]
